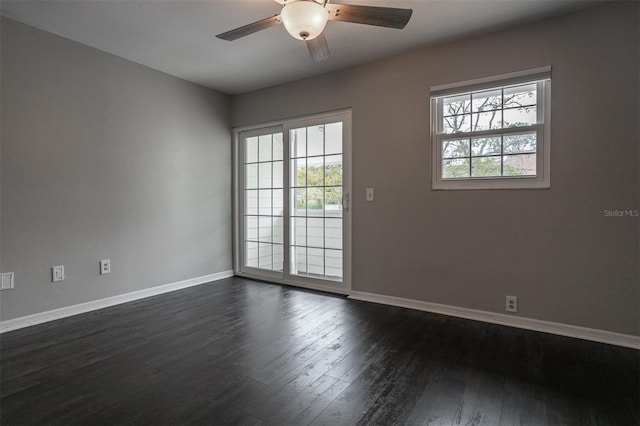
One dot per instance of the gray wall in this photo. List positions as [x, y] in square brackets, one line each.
[554, 248]
[104, 158]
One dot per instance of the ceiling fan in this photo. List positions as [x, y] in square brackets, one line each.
[306, 19]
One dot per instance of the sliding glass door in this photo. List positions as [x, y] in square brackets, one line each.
[292, 189]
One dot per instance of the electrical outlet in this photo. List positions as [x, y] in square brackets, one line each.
[57, 273]
[105, 266]
[6, 281]
[512, 304]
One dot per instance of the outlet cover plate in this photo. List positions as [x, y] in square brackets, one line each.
[57, 273]
[105, 266]
[6, 281]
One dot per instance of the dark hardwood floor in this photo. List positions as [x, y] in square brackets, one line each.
[244, 352]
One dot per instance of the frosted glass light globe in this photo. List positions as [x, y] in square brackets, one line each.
[304, 19]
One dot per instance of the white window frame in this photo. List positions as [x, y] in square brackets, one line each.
[542, 77]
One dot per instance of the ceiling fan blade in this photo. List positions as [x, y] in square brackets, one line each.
[318, 48]
[250, 28]
[390, 17]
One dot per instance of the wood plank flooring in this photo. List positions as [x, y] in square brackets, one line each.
[242, 352]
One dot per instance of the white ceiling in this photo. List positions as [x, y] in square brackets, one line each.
[178, 36]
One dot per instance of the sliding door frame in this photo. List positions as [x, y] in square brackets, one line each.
[286, 277]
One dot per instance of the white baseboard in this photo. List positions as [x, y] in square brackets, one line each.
[29, 320]
[595, 335]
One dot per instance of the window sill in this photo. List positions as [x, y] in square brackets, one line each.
[502, 183]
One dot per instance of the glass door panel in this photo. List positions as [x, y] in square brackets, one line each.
[263, 206]
[315, 206]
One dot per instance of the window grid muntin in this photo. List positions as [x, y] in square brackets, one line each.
[442, 116]
[502, 155]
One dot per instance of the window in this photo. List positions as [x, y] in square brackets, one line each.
[492, 133]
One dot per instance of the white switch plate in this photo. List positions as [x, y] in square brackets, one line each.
[6, 281]
[370, 195]
[57, 273]
[105, 266]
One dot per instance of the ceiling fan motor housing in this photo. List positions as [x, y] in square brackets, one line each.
[304, 19]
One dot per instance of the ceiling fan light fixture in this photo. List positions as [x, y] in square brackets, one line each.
[304, 19]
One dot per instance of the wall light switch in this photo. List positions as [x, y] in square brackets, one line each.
[57, 273]
[6, 281]
[105, 266]
[370, 196]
